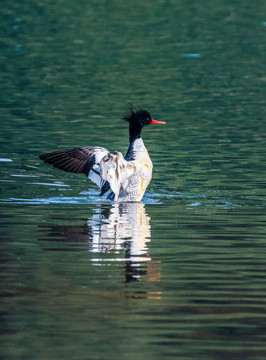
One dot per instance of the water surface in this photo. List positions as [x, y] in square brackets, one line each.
[180, 274]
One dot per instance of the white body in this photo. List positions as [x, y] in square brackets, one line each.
[128, 179]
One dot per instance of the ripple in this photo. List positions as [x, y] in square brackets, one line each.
[49, 184]
[20, 175]
[191, 55]
[188, 200]
[51, 200]
[195, 204]
[5, 160]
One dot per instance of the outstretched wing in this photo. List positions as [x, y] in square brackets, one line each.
[80, 160]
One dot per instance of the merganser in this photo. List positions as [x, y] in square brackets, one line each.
[127, 177]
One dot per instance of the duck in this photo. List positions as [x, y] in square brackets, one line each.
[127, 177]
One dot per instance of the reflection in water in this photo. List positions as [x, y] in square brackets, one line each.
[123, 228]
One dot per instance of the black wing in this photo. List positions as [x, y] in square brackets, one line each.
[80, 160]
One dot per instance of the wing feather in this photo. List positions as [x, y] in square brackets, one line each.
[76, 159]
[80, 160]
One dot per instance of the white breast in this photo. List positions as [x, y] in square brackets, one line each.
[128, 179]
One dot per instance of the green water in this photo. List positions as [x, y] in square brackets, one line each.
[181, 274]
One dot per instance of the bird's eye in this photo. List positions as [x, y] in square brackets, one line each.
[148, 119]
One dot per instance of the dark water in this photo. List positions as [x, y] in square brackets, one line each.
[181, 274]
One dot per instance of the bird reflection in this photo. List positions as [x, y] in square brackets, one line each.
[126, 224]
[121, 230]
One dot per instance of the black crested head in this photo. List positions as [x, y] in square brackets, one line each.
[137, 117]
